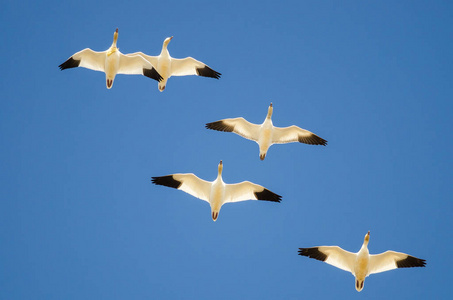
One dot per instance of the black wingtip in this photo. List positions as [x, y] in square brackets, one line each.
[208, 72]
[70, 63]
[153, 74]
[166, 181]
[410, 262]
[219, 126]
[320, 141]
[313, 253]
[267, 195]
[313, 140]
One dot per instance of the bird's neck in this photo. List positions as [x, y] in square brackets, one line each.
[268, 119]
[219, 174]
[113, 48]
[364, 248]
[269, 113]
[164, 51]
[164, 48]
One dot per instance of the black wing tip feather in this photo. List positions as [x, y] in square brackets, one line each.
[70, 63]
[166, 181]
[153, 74]
[208, 72]
[267, 195]
[313, 253]
[313, 140]
[410, 262]
[219, 126]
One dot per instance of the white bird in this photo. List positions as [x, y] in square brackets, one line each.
[216, 192]
[111, 62]
[169, 66]
[362, 264]
[266, 134]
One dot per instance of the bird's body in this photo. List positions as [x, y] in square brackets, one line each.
[266, 134]
[111, 62]
[168, 66]
[217, 196]
[217, 192]
[164, 64]
[362, 264]
[361, 267]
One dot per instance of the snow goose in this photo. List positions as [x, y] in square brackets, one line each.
[266, 134]
[111, 62]
[216, 193]
[169, 66]
[362, 264]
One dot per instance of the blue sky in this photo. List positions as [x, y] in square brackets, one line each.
[80, 219]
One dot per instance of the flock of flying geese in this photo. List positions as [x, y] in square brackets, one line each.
[217, 192]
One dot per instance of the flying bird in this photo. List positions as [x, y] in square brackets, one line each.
[169, 66]
[266, 134]
[362, 264]
[111, 62]
[217, 192]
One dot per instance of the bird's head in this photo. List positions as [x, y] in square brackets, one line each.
[166, 41]
[115, 36]
[269, 111]
[220, 168]
[367, 237]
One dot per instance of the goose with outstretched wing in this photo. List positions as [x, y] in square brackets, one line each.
[362, 264]
[111, 62]
[169, 66]
[266, 134]
[216, 192]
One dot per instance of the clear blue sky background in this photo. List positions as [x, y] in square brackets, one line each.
[80, 219]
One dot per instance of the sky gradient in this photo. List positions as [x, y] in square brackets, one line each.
[80, 218]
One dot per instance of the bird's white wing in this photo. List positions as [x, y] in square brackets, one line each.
[390, 260]
[333, 255]
[237, 125]
[136, 64]
[133, 64]
[86, 58]
[249, 191]
[295, 134]
[191, 66]
[188, 183]
[152, 59]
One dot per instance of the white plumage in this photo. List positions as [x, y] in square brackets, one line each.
[168, 66]
[216, 193]
[111, 62]
[266, 134]
[362, 264]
